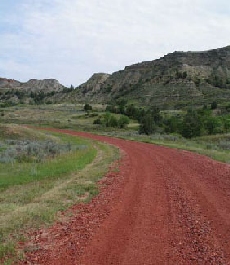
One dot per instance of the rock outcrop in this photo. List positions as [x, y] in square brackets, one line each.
[33, 85]
[13, 91]
[46, 85]
[94, 84]
[9, 83]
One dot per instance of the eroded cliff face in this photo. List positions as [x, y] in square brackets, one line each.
[14, 92]
[9, 83]
[176, 77]
[46, 85]
[33, 85]
[94, 84]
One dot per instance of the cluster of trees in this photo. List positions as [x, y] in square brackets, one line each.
[131, 110]
[218, 80]
[39, 96]
[68, 89]
[10, 93]
[109, 120]
[149, 119]
[195, 122]
[181, 75]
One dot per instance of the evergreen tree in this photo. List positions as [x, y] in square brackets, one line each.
[191, 124]
[87, 107]
[147, 125]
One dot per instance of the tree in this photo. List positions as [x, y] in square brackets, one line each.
[213, 125]
[106, 119]
[184, 75]
[131, 111]
[97, 121]
[113, 122]
[172, 124]
[214, 105]
[155, 113]
[147, 125]
[191, 124]
[109, 120]
[87, 107]
[226, 124]
[123, 121]
[121, 105]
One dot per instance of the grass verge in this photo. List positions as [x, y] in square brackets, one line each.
[216, 147]
[29, 201]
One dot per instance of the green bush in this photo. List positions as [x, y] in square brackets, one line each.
[147, 125]
[109, 120]
[87, 107]
[214, 105]
[123, 121]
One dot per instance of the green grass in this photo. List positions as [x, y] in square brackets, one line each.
[33, 194]
[23, 173]
[72, 116]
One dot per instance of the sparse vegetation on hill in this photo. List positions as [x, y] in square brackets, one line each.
[179, 79]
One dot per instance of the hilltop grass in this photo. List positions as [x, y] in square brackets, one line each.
[33, 194]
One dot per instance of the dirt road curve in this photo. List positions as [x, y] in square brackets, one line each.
[164, 206]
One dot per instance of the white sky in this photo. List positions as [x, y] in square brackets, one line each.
[69, 40]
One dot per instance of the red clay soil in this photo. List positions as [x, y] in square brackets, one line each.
[164, 206]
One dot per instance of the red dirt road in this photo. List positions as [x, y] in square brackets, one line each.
[164, 206]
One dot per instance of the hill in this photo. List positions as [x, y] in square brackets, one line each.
[13, 91]
[177, 79]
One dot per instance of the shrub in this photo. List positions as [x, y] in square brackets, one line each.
[33, 151]
[214, 105]
[97, 121]
[123, 121]
[87, 107]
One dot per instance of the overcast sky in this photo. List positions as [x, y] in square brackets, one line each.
[69, 40]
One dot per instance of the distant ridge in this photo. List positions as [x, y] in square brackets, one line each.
[32, 91]
[175, 80]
